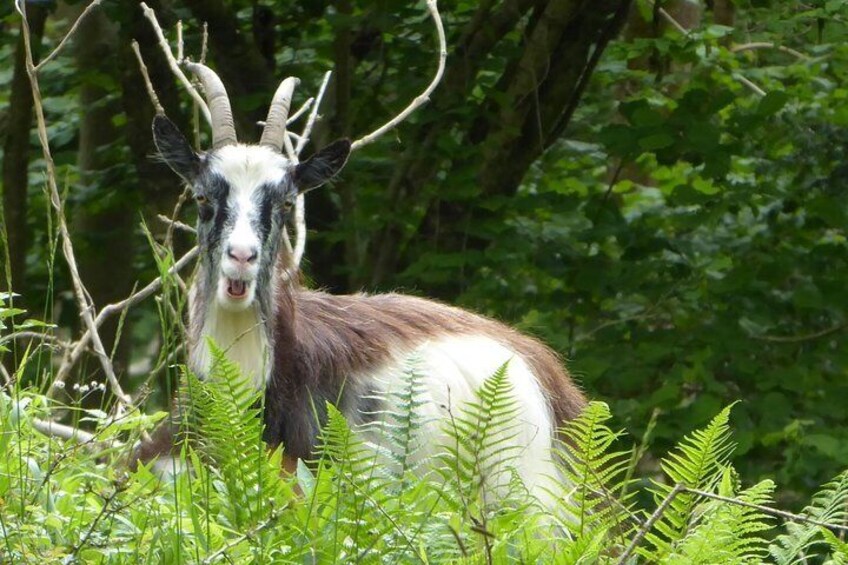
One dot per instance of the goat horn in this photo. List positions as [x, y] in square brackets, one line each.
[223, 129]
[274, 133]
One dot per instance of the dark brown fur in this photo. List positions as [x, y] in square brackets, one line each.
[323, 342]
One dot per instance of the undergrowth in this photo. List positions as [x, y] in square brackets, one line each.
[379, 495]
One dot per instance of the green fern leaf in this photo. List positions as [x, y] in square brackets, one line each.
[697, 462]
[830, 505]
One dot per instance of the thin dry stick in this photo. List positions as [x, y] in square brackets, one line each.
[111, 309]
[151, 92]
[313, 115]
[765, 45]
[243, 537]
[54, 429]
[85, 306]
[64, 40]
[180, 40]
[679, 27]
[176, 224]
[422, 98]
[768, 510]
[300, 111]
[300, 202]
[678, 488]
[175, 64]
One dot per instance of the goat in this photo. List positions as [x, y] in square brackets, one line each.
[306, 347]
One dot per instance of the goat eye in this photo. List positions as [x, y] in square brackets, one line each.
[288, 205]
[200, 199]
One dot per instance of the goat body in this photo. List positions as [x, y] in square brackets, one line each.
[305, 348]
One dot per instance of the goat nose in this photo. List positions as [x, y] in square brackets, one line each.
[242, 254]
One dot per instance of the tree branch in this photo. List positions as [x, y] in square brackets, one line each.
[422, 98]
[86, 308]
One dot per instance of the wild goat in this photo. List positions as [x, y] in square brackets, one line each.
[307, 347]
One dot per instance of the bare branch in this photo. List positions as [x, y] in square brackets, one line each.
[422, 98]
[313, 115]
[180, 49]
[299, 246]
[151, 92]
[300, 111]
[680, 28]
[175, 223]
[768, 510]
[85, 306]
[765, 45]
[111, 309]
[175, 64]
[67, 36]
[646, 527]
[54, 429]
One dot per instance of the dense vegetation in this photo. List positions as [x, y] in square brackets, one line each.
[394, 499]
[655, 189]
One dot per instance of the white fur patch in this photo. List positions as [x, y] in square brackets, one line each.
[453, 368]
[247, 167]
[242, 337]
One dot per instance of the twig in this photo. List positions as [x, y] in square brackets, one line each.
[85, 306]
[313, 115]
[801, 338]
[175, 64]
[300, 111]
[678, 488]
[422, 98]
[82, 16]
[765, 45]
[245, 536]
[175, 223]
[151, 92]
[153, 286]
[768, 510]
[679, 27]
[300, 202]
[52, 339]
[180, 50]
[54, 429]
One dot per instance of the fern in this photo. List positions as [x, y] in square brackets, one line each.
[727, 533]
[697, 463]
[480, 452]
[830, 505]
[225, 414]
[592, 475]
[398, 427]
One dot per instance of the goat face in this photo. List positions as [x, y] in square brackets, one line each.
[245, 194]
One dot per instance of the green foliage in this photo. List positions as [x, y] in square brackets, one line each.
[61, 503]
[696, 463]
[828, 506]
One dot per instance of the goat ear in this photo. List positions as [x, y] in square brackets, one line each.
[175, 148]
[322, 166]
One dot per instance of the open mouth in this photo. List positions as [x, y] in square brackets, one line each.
[236, 289]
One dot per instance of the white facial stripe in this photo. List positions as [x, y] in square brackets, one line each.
[247, 168]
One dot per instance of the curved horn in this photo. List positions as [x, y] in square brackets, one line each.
[223, 129]
[274, 134]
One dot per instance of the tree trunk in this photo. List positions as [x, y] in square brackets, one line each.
[16, 156]
[533, 103]
[103, 226]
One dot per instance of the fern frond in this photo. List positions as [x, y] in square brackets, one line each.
[397, 429]
[225, 414]
[727, 533]
[830, 505]
[697, 462]
[480, 450]
[592, 475]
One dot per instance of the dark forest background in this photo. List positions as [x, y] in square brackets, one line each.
[656, 190]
